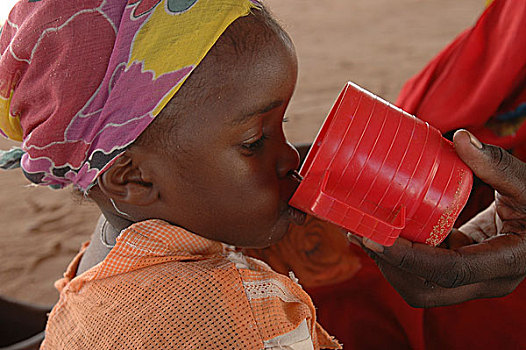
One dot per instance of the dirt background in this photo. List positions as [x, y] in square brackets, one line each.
[378, 44]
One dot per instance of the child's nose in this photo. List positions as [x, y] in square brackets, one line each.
[288, 160]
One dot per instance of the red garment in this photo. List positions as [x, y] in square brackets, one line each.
[478, 82]
[365, 312]
[497, 323]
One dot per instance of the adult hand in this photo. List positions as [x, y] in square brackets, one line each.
[484, 258]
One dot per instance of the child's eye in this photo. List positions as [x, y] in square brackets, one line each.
[252, 147]
[285, 119]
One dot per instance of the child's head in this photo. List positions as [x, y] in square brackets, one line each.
[215, 160]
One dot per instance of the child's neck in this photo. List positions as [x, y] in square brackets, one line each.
[118, 222]
[102, 240]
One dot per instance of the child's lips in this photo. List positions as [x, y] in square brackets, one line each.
[295, 175]
[298, 217]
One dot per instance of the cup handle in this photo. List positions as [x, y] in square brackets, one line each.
[397, 223]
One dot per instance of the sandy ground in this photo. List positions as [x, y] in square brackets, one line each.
[376, 43]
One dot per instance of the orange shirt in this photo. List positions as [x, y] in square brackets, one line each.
[162, 287]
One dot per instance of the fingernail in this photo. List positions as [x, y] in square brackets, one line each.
[375, 247]
[474, 141]
[352, 238]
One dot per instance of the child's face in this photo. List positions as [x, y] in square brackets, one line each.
[229, 176]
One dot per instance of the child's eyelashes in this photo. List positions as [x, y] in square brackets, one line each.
[251, 147]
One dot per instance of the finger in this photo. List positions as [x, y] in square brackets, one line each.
[414, 289]
[493, 165]
[456, 239]
[418, 292]
[353, 239]
[482, 226]
[503, 256]
[372, 245]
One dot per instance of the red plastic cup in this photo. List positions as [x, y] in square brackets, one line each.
[382, 173]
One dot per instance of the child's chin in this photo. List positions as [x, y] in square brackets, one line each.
[275, 236]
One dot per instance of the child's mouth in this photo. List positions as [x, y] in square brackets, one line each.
[297, 216]
[295, 175]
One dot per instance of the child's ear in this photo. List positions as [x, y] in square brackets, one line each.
[126, 183]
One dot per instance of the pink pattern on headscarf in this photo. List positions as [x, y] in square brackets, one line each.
[114, 104]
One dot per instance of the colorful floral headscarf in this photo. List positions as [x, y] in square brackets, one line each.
[80, 80]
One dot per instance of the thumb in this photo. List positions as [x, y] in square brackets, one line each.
[493, 165]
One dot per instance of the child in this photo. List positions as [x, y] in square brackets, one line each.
[168, 114]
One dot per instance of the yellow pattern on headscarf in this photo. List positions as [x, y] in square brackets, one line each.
[163, 48]
[9, 124]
